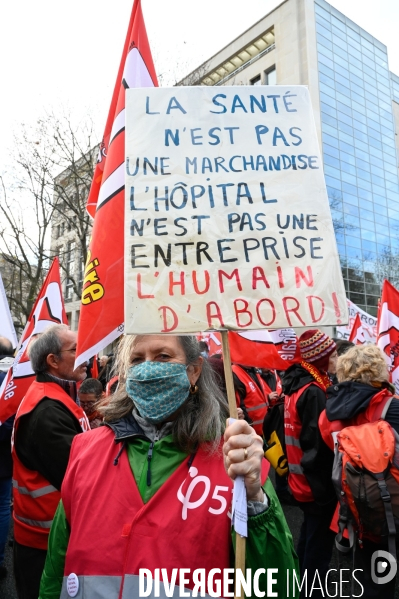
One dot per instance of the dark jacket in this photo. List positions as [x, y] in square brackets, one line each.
[346, 400]
[317, 458]
[270, 379]
[5, 448]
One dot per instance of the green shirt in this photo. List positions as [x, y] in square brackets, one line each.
[269, 542]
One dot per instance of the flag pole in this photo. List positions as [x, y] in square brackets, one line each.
[231, 397]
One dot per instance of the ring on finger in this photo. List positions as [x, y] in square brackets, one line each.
[245, 453]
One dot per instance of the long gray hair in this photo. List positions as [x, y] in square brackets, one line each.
[201, 418]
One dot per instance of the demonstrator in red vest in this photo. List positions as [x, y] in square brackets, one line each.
[161, 472]
[46, 422]
[274, 385]
[310, 460]
[274, 391]
[251, 395]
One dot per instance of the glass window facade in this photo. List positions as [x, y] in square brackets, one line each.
[360, 162]
[395, 87]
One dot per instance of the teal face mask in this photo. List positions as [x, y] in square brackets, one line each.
[157, 389]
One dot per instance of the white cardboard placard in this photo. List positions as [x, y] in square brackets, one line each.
[227, 222]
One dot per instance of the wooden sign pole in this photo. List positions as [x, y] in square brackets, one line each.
[231, 396]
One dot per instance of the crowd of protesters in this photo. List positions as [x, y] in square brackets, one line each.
[159, 408]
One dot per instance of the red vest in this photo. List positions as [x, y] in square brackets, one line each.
[35, 499]
[256, 399]
[376, 409]
[292, 426]
[184, 525]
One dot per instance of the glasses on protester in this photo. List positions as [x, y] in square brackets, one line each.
[88, 404]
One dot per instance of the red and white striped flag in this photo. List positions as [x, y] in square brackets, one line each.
[388, 330]
[101, 314]
[48, 310]
[357, 333]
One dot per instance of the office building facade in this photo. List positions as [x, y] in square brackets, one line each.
[356, 105]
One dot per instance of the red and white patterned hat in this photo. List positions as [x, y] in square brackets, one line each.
[315, 345]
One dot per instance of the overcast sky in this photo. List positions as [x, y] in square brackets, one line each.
[69, 53]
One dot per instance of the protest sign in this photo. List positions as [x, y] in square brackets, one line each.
[369, 324]
[227, 223]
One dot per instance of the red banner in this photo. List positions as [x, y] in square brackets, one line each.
[276, 349]
[101, 314]
[357, 333]
[47, 310]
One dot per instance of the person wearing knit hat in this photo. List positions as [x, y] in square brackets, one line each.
[316, 347]
[310, 460]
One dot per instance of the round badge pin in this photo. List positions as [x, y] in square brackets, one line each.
[72, 585]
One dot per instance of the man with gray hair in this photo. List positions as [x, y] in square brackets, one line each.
[46, 423]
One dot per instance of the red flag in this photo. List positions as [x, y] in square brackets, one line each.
[357, 333]
[265, 349]
[213, 340]
[101, 314]
[388, 330]
[94, 368]
[47, 310]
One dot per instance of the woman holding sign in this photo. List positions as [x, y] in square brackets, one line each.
[146, 499]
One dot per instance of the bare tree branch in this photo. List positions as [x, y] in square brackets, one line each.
[45, 190]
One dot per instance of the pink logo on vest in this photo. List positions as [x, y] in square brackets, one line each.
[205, 481]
